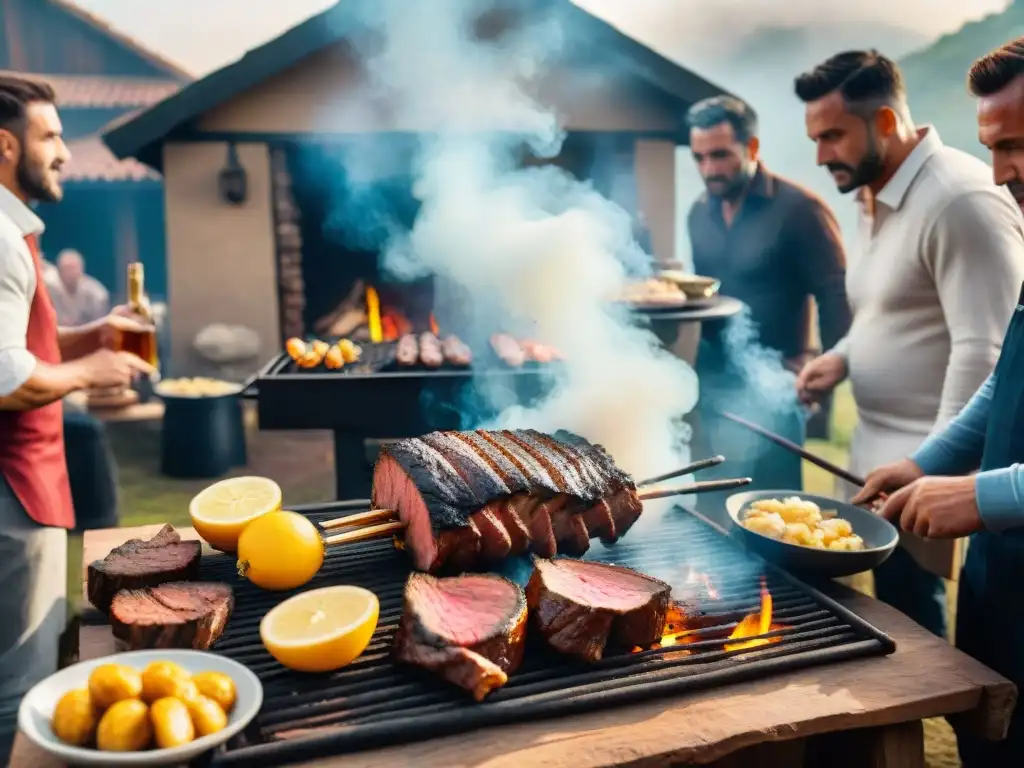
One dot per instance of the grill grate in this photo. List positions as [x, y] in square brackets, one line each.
[374, 703]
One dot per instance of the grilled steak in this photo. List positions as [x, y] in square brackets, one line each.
[473, 498]
[582, 607]
[181, 614]
[471, 630]
[137, 564]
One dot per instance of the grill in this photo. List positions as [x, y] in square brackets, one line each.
[375, 703]
[375, 398]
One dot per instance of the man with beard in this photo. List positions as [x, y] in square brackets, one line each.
[933, 493]
[774, 246]
[932, 282]
[39, 365]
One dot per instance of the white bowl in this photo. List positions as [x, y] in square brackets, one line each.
[37, 707]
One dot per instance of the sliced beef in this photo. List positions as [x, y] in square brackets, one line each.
[581, 608]
[429, 495]
[181, 614]
[470, 630]
[137, 564]
[472, 498]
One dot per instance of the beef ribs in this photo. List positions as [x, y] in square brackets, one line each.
[472, 498]
[471, 630]
[581, 607]
[137, 564]
[180, 614]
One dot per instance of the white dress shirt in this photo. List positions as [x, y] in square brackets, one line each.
[17, 290]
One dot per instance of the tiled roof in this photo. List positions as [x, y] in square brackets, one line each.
[138, 48]
[92, 161]
[95, 91]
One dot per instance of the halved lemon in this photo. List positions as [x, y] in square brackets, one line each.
[321, 630]
[221, 512]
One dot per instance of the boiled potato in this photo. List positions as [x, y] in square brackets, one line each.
[217, 686]
[172, 723]
[207, 716]
[111, 683]
[797, 521]
[75, 718]
[165, 678]
[125, 727]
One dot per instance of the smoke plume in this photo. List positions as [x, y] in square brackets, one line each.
[536, 252]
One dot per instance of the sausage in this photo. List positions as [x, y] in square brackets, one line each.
[334, 359]
[540, 353]
[508, 350]
[431, 354]
[408, 352]
[456, 353]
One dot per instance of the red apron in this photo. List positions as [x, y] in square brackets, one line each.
[32, 448]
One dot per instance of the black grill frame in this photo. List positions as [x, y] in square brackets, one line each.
[389, 704]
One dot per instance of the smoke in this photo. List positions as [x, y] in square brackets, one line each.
[533, 251]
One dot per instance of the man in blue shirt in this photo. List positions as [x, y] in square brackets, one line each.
[932, 492]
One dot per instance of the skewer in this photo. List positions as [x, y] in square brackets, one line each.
[695, 466]
[365, 534]
[707, 486]
[372, 516]
[792, 447]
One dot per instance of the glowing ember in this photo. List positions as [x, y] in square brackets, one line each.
[434, 328]
[754, 625]
[394, 325]
[373, 315]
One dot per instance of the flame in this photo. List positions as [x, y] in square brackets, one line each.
[373, 315]
[754, 625]
[433, 325]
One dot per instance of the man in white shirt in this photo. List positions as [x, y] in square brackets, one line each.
[40, 363]
[932, 280]
[77, 297]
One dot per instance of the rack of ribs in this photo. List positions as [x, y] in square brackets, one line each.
[468, 499]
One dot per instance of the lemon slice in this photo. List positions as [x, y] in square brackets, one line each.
[321, 630]
[220, 513]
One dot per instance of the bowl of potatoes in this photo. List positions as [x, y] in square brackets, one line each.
[812, 536]
[140, 708]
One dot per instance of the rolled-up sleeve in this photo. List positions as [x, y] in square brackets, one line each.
[16, 362]
[975, 252]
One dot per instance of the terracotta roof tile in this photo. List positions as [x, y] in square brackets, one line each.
[92, 161]
[83, 91]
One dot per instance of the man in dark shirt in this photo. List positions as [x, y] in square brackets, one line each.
[774, 246]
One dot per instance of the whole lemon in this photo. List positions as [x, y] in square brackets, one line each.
[280, 550]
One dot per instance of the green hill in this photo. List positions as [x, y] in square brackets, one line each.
[936, 75]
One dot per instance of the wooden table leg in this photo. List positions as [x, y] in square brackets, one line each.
[891, 746]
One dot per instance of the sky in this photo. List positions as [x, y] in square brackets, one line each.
[203, 35]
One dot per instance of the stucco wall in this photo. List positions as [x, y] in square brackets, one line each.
[220, 257]
[324, 93]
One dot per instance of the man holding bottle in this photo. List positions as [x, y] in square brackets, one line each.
[39, 365]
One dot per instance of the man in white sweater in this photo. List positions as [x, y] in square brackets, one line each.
[932, 281]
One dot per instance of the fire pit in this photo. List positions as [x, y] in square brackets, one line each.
[735, 618]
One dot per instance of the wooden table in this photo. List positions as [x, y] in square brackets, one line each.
[861, 714]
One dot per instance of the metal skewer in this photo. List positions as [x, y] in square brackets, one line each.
[706, 486]
[695, 466]
[792, 447]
